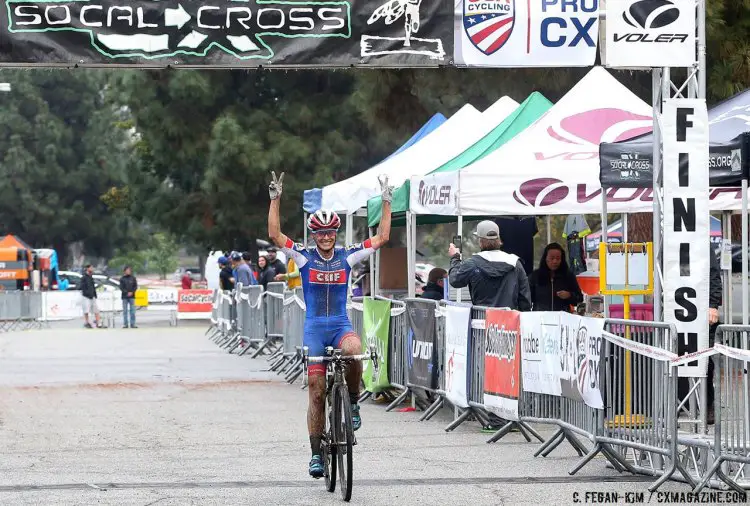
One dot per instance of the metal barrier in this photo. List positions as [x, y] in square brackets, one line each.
[731, 441]
[20, 310]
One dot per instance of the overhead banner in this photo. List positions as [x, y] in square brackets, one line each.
[226, 33]
[650, 33]
[526, 33]
[434, 194]
[561, 355]
[422, 355]
[457, 323]
[502, 363]
[376, 330]
[686, 226]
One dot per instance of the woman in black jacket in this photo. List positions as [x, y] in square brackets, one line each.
[266, 273]
[553, 286]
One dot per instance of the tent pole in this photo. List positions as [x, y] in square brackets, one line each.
[659, 83]
[745, 299]
[304, 229]
[460, 233]
[603, 238]
[349, 237]
[726, 275]
[549, 228]
[410, 255]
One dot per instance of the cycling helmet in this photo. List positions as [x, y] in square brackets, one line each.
[323, 220]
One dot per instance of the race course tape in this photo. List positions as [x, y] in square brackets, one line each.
[672, 358]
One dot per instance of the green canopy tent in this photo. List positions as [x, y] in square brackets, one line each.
[525, 114]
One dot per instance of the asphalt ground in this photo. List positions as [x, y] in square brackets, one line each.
[160, 415]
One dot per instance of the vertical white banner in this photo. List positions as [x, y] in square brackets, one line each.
[456, 350]
[686, 226]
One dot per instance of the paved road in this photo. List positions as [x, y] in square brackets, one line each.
[162, 416]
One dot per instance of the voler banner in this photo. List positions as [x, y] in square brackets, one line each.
[526, 33]
[686, 226]
[457, 322]
[561, 355]
[434, 194]
[376, 330]
[226, 33]
[502, 363]
[650, 33]
[422, 355]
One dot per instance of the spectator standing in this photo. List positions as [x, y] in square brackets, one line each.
[187, 281]
[276, 264]
[128, 287]
[247, 257]
[266, 273]
[292, 277]
[434, 288]
[242, 272]
[88, 290]
[554, 287]
[226, 280]
[495, 278]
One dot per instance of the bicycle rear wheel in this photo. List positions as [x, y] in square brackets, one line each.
[344, 440]
[329, 446]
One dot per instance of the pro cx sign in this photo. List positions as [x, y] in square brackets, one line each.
[650, 33]
[527, 33]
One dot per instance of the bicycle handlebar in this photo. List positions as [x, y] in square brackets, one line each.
[336, 356]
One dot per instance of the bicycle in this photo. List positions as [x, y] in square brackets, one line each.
[338, 437]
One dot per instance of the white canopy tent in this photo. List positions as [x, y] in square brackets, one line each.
[450, 139]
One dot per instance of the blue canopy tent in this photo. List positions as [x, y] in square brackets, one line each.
[312, 198]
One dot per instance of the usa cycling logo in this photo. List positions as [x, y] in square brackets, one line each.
[600, 125]
[541, 192]
[489, 24]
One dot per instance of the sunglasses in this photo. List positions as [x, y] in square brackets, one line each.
[325, 233]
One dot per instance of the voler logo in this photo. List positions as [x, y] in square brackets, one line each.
[166, 28]
[649, 16]
[489, 23]
[608, 124]
[541, 192]
[434, 194]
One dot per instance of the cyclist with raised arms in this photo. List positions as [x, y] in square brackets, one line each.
[325, 271]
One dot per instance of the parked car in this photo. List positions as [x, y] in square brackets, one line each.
[102, 283]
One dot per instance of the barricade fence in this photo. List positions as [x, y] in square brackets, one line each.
[604, 386]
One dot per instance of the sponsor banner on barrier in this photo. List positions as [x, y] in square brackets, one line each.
[650, 33]
[561, 355]
[502, 363]
[162, 295]
[141, 297]
[221, 33]
[195, 301]
[434, 194]
[65, 305]
[376, 330]
[457, 320]
[522, 33]
[422, 352]
[686, 226]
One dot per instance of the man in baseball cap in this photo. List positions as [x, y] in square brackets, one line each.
[226, 280]
[495, 278]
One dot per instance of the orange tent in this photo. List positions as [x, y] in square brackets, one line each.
[11, 241]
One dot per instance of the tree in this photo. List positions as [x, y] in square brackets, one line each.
[59, 153]
[162, 257]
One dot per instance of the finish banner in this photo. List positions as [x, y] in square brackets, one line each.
[422, 353]
[502, 363]
[457, 328]
[376, 330]
[687, 263]
[561, 355]
[226, 33]
[526, 33]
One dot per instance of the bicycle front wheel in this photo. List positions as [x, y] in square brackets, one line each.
[329, 446]
[344, 440]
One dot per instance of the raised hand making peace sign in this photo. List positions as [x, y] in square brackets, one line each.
[275, 186]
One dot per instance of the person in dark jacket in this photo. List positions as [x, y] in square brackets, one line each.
[435, 283]
[276, 264]
[494, 278]
[226, 280]
[553, 286]
[128, 287]
[266, 272]
[88, 290]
